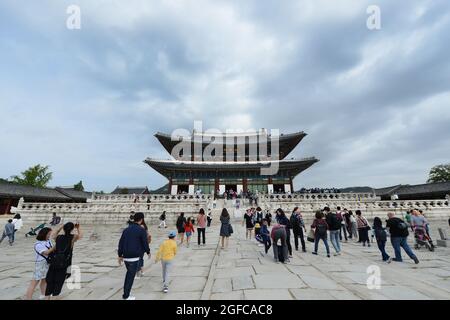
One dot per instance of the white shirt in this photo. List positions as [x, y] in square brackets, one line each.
[131, 259]
[41, 246]
[18, 223]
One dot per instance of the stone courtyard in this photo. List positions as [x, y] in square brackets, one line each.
[242, 271]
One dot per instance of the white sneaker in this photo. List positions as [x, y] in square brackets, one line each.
[165, 289]
[131, 298]
[41, 297]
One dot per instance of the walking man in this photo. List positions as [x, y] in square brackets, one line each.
[133, 243]
[399, 237]
[334, 224]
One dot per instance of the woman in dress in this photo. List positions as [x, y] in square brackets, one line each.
[181, 221]
[225, 229]
[363, 228]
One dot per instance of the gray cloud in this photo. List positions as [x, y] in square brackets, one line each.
[87, 102]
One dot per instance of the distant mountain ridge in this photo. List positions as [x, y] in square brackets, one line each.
[357, 189]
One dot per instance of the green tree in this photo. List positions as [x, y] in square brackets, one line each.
[440, 173]
[79, 186]
[37, 176]
[124, 191]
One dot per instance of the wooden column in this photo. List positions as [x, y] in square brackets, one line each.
[245, 185]
[292, 185]
[216, 186]
[170, 185]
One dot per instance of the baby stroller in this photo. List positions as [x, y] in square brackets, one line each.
[34, 231]
[422, 239]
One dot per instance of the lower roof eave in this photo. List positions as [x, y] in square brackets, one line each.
[166, 167]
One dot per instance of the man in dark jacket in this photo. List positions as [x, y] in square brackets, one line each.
[132, 245]
[297, 228]
[334, 223]
[399, 237]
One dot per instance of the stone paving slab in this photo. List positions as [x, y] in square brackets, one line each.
[268, 294]
[311, 294]
[243, 282]
[242, 271]
[247, 262]
[321, 282]
[222, 285]
[233, 295]
[235, 272]
[278, 281]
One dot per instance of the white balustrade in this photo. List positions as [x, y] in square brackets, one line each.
[321, 197]
[118, 209]
[163, 198]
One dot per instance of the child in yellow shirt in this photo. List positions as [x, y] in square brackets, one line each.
[166, 253]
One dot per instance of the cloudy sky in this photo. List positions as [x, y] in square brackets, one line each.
[87, 102]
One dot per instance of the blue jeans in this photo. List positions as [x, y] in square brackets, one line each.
[381, 246]
[267, 243]
[132, 269]
[10, 237]
[166, 265]
[316, 243]
[334, 238]
[401, 242]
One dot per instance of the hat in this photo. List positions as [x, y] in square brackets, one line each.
[172, 234]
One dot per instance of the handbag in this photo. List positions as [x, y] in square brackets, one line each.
[310, 236]
[230, 228]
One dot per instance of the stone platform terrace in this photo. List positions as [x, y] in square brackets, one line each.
[242, 271]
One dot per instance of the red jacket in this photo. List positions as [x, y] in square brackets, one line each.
[276, 228]
[189, 227]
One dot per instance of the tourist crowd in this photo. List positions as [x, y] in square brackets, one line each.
[335, 227]
[54, 248]
[319, 190]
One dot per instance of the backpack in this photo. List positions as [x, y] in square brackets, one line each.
[295, 223]
[60, 260]
[321, 229]
[334, 221]
[402, 226]
[180, 223]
